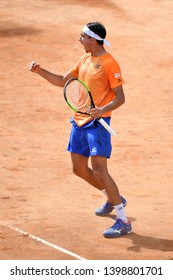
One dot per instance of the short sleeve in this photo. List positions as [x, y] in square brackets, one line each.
[75, 70]
[114, 74]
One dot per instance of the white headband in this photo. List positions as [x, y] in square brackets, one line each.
[93, 35]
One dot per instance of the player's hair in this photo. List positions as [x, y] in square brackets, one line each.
[99, 29]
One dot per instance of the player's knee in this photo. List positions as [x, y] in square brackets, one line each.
[99, 175]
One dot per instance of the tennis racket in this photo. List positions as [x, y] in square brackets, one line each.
[79, 98]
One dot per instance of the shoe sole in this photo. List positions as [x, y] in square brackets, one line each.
[115, 236]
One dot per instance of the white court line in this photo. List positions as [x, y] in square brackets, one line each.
[46, 242]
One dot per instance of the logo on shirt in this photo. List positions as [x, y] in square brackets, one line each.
[118, 77]
[97, 66]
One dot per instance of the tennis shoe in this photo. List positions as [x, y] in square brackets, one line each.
[119, 228]
[108, 207]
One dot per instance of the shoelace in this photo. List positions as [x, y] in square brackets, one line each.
[117, 224]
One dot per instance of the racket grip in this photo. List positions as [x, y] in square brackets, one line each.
[106, 126]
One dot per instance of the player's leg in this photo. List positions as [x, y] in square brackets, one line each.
[122, 225]
[100, 170]
[81, 169]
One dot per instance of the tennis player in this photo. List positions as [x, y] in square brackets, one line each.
[89, 139]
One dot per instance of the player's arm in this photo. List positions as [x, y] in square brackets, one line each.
[117, 101]
[114, 104]
[55, 79]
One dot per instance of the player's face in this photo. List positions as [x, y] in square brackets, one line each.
[85, 41]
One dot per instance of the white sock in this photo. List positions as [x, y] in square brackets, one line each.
[120, 213]
[105, 193]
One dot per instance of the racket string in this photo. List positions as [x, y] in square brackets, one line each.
[78, 97]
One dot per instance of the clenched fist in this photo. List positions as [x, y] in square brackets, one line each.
[34, 67]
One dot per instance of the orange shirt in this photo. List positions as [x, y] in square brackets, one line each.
[101, 74]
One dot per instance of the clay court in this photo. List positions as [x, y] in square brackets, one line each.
[39, 193]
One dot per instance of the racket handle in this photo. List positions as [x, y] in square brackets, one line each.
[106, 126]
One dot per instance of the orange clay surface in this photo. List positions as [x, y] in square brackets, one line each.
[39, 193]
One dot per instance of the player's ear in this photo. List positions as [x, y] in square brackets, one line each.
[93, 41]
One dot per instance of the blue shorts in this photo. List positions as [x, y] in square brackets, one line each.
[92, 139]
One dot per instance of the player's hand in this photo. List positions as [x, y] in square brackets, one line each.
[96, 112]
[34, 67]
